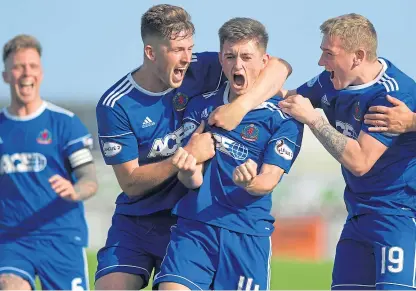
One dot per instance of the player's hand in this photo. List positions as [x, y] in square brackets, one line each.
[63, 188]
[201, 145]
[244, 174]
[299, 108]
[396, 119]
[227, 116]
[184, 161]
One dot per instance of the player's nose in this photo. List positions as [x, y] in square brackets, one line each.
[321, 61]
[186, 56]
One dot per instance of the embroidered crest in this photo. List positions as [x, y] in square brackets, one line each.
[357, 111]
[44, 137]
[179, 101]
[250, 133]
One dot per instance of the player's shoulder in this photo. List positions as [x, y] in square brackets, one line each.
[209, 98]
[394, 81]
[59, 112]
[115, 95]
[323, 80]
[204, 56]
[201, 60]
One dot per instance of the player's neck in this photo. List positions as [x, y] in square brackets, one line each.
[17, 108]
[232, 96]
[369, 72]
[148, 80]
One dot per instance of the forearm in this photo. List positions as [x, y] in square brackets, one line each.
[143, 179]
[345, 150]
[268, 84]
[86, 185]
[413, 126]
[262, 184]
[192, 181]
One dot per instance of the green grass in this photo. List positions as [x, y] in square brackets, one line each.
[287, 275]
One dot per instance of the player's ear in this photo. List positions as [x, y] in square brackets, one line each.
[149, 52]
[265, 60]
[220, 57]
[5, 77]
[359, 57]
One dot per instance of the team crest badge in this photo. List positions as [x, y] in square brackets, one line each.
[44, 137]
[179, 101]
[250, 133]
[357, 111]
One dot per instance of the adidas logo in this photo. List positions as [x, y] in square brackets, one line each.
[324, 100]
[147, 122]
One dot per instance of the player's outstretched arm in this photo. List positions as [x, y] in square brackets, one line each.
[139, 180]
[190, 173]
[267, 85]
[396, 119]
[246, 177]
[358, 156]
[85, 187]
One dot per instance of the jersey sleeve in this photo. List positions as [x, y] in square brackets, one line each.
[316, 88]
[388, 139]
[207, 71]
[284, 145]
[118, 143]
[192, 118]
[78, 143]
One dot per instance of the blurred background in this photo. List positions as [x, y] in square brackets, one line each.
[89, 45]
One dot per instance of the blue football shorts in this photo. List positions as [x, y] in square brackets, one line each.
[202, 257]
[60, 266]
[376, 252]
[135, 244]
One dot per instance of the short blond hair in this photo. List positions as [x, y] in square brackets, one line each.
[21, 41]
[355, 31]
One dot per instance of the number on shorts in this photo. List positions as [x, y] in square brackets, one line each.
[394, 262]
[76, 284]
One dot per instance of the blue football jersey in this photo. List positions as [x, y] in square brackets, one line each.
[135, 123]
[390, 186]
[265, 135]
[32, 149]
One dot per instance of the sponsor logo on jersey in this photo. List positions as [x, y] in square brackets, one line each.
[346, 129]
[230, 147]
[22, 163]
[282, 149]
[44, 137]
[167, 145]
[357, 111]
[110, 149]
[180, 100]
[250, 133]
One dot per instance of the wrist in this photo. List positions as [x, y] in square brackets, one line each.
[314, 120]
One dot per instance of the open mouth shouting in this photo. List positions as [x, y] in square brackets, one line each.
[179, 74]
[26, 87]
[238, 81]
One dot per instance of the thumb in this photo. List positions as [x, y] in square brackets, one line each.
[200, 128]
[394, 101]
